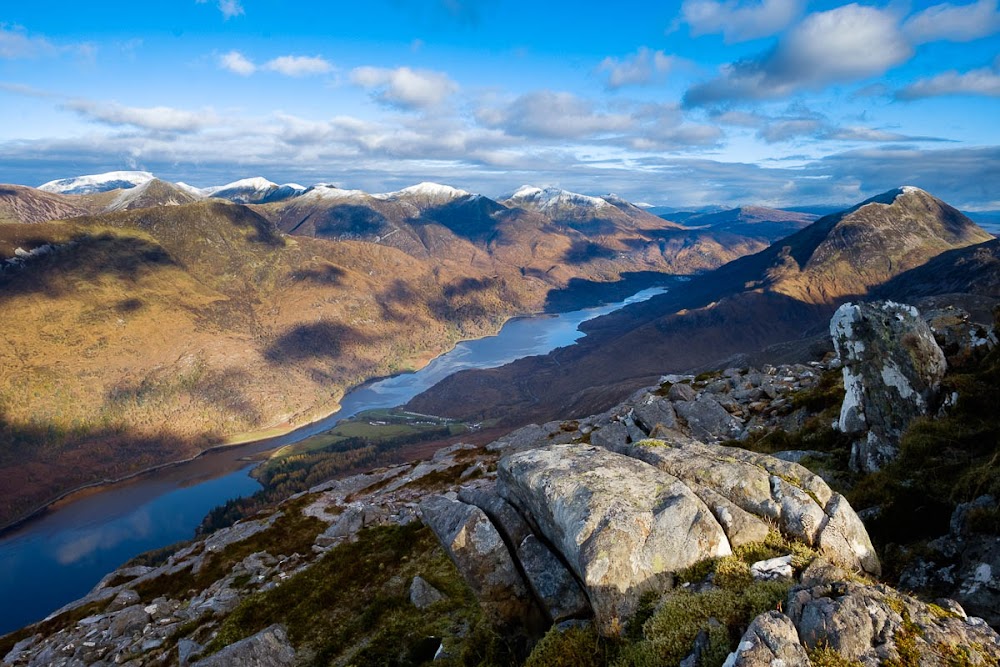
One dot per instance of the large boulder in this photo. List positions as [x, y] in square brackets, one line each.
[892, 370]
[267, 648]
[799, 502]
[621, 525]
[482, 556]
[878, 625]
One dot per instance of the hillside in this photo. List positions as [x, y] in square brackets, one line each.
[144, 335]
[783, 293]
[707, 521]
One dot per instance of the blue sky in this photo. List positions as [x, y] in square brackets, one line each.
[692, 103]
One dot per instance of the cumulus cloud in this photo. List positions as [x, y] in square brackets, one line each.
[229, 8]
[299, 65]
[405, 88]
[739, 21]
[844, 44]
[294, 66]
[160, 119]
[984, 81]
[957, 23]
[552, 115]
[237, 63]
[644, 67]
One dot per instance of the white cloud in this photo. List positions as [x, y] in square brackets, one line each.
[958, 23]
[295, 66]
[645, 67]
[229, 8]
[405, 88]
[552, 115]
[16, 43]
[844, 44]
[160, 119]
[984, 81]
[299, 65]
[237, 63]
[739, 21]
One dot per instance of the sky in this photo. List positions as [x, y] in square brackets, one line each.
[685, 104]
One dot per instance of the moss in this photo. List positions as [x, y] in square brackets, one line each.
[824, 656]
[352, 606]
[575, 647]
[291, 533]
[907, 644]
[668, 636]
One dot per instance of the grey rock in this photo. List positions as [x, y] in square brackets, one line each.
[652, 411]
[707, 420]
[187, 649]
[508, 520]
[20, 648]
[129, 621]
[552, 583]
[125, 598]
[621, 525]
[799, 501]
[958, 522]
[892, 374]
[477, 549]
[741, 527]
[796, 455]
[422, 594]
[267, 648]
[681, 392]
[862, 622]
[771, 640]
[610, 436]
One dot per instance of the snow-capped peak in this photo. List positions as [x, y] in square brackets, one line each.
[910, 189]
[91, 183]
[255, 184]
[329, 191]
[550, 197]
[425, 189]
[191, 190]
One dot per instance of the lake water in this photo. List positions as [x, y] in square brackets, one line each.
[60, 555]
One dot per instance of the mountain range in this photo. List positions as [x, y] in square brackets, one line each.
[155, 320]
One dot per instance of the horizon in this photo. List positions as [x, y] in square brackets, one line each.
[686, 105]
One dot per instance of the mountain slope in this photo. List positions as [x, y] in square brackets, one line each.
[93, 183]
[753, 221]
[784, 292]
[141, 336]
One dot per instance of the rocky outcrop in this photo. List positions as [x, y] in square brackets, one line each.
[622, 525]
[486, 564]
[267, 648]
[892, 370]
[864, 624]
[770, 640]
[964, 564]
[875, 624]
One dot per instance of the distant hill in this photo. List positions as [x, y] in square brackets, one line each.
[782, 293]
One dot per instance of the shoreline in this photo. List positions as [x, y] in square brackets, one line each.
[256, 437]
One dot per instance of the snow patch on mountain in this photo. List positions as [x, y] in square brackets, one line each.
[91, 183]
[328, 191]
[425, 189]
[529, 196]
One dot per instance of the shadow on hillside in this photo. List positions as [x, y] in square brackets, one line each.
[470, 217]
[349, 220]
[319, 340]
[86, 259]
[467, 286]
[398, 300]
[327, 274]
[581, 252]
